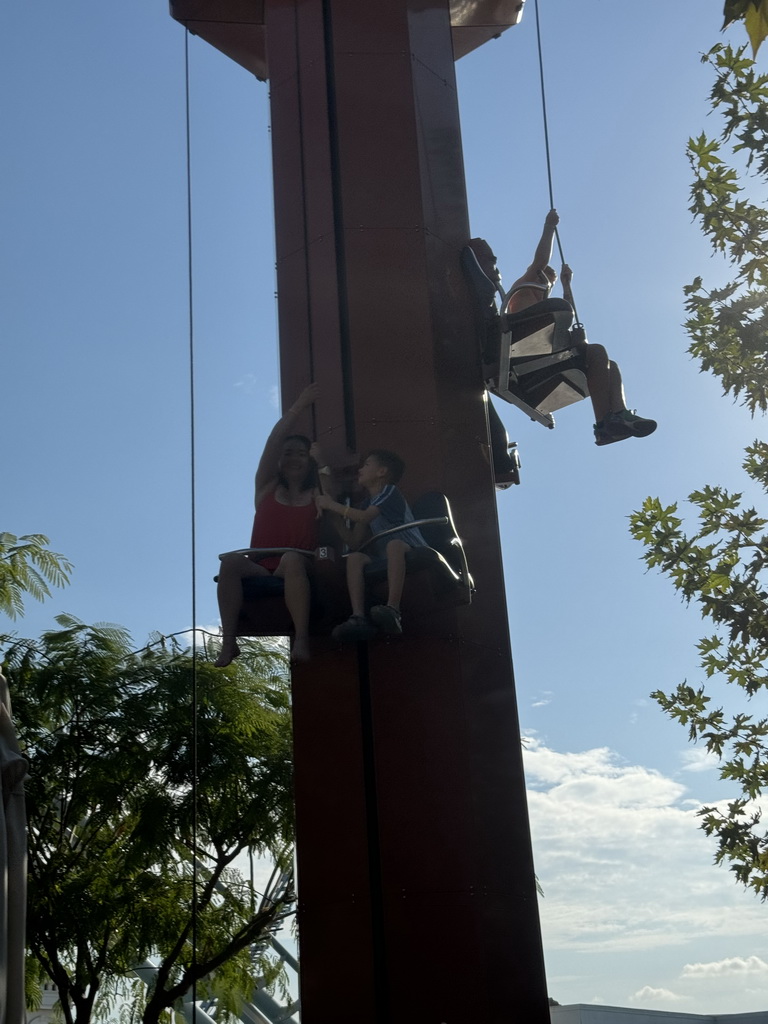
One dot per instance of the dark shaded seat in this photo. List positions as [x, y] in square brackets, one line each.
[263, 612]
[437, 576]
[529, 358]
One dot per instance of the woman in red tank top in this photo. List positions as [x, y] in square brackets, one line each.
[285, 517]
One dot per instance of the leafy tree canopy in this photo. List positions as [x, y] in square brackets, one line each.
[721, 564]
[728, 326]
[754, 14]
[27, 566]
[136, 817]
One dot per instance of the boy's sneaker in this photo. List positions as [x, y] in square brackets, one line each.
[628, 420]
[354, 629]
[618, 426]
[606, 433]
[386, 618]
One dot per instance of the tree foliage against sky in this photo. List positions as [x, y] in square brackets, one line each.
[27, 566]
[754, 14]
[122, 845]
[721, 563]
[728, 326]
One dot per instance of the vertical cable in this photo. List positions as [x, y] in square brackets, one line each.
[193, 518]
[544, 105]
[546, 138]
[546, 126]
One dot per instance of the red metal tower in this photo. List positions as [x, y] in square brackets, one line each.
[416, 888]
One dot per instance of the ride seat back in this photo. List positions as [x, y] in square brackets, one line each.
[529, 358]
[443, 563]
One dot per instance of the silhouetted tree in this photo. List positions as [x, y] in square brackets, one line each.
[150, 774]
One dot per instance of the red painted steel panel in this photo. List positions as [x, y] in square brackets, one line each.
[467, 726]
[368, 28]
[236, 27]
[391, 325]
[314, 114]
[448, 840]
[287, 166]
[334, 935]
[332, 839]
[280, 21]
[308, 310]
[467, 976]
[330, 787]
[377, 144]
[424, 790]
[440, 155]
[326, 346]
[293, 311]
[241, 12]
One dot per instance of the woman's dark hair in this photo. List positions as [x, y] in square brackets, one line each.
[311, 479]
[298, 437]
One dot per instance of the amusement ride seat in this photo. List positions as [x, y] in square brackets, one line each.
[530, 358]
[437, 576]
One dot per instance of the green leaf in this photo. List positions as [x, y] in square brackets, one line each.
[756, 20]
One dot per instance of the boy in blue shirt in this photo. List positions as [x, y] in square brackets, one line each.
[384, 508]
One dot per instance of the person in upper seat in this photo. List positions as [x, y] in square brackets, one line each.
[538, 280]
[286, 517]
[383, 508]
[613, 420]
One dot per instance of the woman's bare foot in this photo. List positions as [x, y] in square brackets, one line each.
[229, 651]
[300, 649]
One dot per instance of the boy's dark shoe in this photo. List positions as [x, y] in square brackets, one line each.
[354, 629]
[386, 618]
[605, 434]
[628, 419]
[618, 426]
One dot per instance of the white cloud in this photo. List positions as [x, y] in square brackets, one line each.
[656, 996]
[698, 759]
[639, 705]
[730, 965]
[621, 859]
[253, 384]
[543, 700]
[248, 384]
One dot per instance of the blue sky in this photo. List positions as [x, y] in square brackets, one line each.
[96, 451]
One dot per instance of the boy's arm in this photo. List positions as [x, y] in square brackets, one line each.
[355, 515]
[352, 538]
[543, 252]
[362, 518]
[267, 468]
